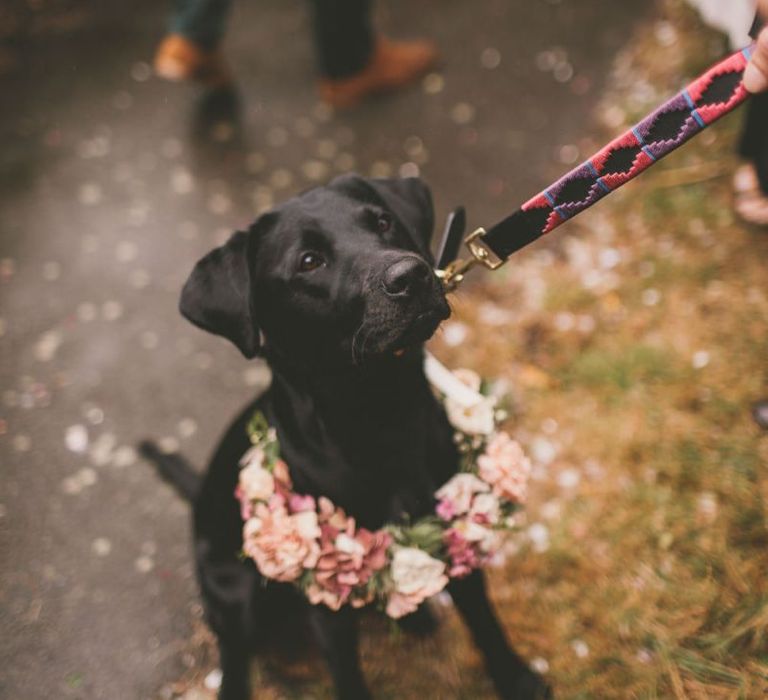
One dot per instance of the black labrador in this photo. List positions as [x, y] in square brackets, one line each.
[335, 288]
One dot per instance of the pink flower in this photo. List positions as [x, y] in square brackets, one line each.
[298, 504]
[415, 577]
[459, 492]
[280, 472]
[505, 467]
[485, 509]
[246, 507]
[462, 554]
[349, 557]
[282, 545]
[445, 510]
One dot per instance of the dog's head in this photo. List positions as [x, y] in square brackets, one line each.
[341, 273]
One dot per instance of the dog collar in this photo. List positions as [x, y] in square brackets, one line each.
[315, 545]
[711, 96]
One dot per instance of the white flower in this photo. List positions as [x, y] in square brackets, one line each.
[468, 377]
[416, 574]
[306, 524]
[477, 419]
[468, 414]
[256, 483]
[255, 455]
[486, 505]
[415, 577]
[460, 490]
[348, 545]
[486, 539]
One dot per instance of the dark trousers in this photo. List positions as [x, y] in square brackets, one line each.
[754, 139]
[342, 30]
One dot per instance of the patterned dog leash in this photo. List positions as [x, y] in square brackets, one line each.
[708, 98]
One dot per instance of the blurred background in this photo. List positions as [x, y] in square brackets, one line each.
[633, 343]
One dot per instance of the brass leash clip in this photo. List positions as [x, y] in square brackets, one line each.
[453, 274]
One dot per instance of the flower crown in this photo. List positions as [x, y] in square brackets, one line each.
[318, 547]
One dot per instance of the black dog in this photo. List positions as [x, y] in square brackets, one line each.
[335, 288]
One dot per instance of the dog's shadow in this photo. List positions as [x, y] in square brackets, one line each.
[216, 132]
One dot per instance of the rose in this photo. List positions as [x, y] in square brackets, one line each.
[348, 559]
[255, 455]
[256, 483]
[280, 472]
[483, 537]
[485, 508]
[469, 544]
[415, 577]
[297, 503]
[505, 467]
[415, 573]
[476, 418]
[455, 496]
[282, 545]
[461, 553]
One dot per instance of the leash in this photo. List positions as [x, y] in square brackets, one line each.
[714, 94]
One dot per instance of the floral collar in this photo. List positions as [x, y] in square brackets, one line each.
[318, 547]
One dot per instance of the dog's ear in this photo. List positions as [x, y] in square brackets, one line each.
[411, 201]
[217, 295]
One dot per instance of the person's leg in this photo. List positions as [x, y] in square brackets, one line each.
[354, 61]
[751, 180]
[190, 50]
[754, 139]
[200, 21]
[344, 39]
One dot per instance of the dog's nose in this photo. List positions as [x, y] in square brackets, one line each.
[406, 277]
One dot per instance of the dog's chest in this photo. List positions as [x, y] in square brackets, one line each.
[377, 477]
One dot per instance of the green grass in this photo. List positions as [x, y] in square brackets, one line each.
[657, 561]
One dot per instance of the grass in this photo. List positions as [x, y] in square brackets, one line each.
[639, 366]
[634, 344]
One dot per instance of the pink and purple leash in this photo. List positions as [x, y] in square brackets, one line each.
[708, 98]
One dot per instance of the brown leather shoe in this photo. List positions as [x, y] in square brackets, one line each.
[394, 64]
[180, 59]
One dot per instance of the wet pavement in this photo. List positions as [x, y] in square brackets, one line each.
[112, 185]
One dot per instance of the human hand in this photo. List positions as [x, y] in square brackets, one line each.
[756, 75]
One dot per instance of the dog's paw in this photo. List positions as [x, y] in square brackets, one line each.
[526, 685]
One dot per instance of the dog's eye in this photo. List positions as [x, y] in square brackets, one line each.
[310, 261]
[384, 223]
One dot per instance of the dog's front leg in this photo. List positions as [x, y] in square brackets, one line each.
[228, 589]
[336, 634]
[509, 673]
[234, 659]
